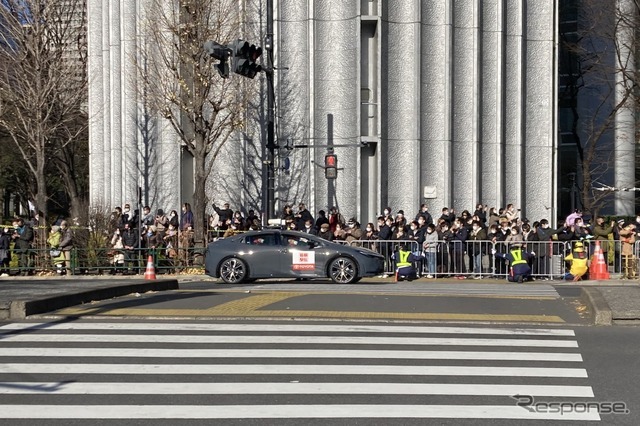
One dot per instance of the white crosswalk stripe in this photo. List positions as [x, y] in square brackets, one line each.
[165, 371]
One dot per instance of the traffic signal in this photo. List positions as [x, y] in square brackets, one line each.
[331, 166]
[221, 53]
[245, 56]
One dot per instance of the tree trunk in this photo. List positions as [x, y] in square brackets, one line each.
[200, 199]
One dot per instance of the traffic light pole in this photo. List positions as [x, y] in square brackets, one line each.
[268, 165]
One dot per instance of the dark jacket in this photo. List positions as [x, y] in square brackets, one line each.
[223, 214]
[130, 238]
[66, 241]
[24, 237]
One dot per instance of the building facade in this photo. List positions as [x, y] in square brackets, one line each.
[448, 102]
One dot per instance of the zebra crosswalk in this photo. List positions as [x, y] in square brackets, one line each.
[171, 371]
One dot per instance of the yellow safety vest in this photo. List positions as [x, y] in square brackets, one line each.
[517, 258]
[403, 255]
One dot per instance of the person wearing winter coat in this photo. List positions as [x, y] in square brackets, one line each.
[5, 254]
[57, 256]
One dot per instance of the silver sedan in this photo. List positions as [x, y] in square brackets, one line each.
[274, 253]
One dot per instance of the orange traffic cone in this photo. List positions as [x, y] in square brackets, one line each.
[150, 273]
[598, 270]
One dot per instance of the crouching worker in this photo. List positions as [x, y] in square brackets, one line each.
[578, 263]
[519, 269]
[404, 263]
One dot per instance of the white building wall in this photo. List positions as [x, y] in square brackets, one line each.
[467, 105]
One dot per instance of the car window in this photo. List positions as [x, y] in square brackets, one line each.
[297, 241]
[260, 240]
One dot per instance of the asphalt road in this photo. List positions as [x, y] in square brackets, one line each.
[127, 372]
[446, 301]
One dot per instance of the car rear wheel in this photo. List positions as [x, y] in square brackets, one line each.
[233, 271]
[343, 270]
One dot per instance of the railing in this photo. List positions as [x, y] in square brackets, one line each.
[98, 261]
[438, 259]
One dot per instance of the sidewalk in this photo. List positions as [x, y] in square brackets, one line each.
[611, 301]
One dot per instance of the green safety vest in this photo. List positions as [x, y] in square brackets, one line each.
[402, 261]
[517, 257]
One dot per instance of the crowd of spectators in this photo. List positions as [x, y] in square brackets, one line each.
[449, 241]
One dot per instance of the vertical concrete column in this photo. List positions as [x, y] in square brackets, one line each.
[337, 92]
[401, 103]
[625, 119]
[293, 51]
[95, 103]
[107, 175]
[129, 17]
[435, 101]
[513, 104]
[465, 104]
[491, 103]
[115, 113]
[539, 191]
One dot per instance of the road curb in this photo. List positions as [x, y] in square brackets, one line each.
[599, 306]
[20, 309]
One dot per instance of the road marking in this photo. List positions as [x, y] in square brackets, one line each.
[214, 312]
[291, 388]
[286, 353]
[346, 328]
[284, 411]
[325, 340]
[307, 369]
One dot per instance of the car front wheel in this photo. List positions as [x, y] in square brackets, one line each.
[233, 271]
[343, 270]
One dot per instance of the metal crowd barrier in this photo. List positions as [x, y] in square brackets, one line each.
[474, 259]
[439, 259]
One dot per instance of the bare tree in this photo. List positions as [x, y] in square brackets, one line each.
[599, 84]
[42, 81]
[182, 85]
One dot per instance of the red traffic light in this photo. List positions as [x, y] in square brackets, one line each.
[331, 166]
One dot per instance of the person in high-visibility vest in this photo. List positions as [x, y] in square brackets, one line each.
[404, 263]
[519, 269]
[579, 262]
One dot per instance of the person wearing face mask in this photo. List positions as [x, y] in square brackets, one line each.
[457, 246]
[353, 231]
[370, 233]
[444, 235]
[173, 219]
[416, 234]
[424, 212]
[387, 213]
[308, 228]
[430, 249]
[545, 234]
[476, 247]
[302, 216]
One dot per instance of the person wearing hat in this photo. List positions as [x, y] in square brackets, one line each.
[518, 258]
[57, 257]
[601, 232]
[578, 262]
[404, 263]
[628, 239]
[325, 232]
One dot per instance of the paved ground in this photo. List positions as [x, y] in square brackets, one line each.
[611, 301]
